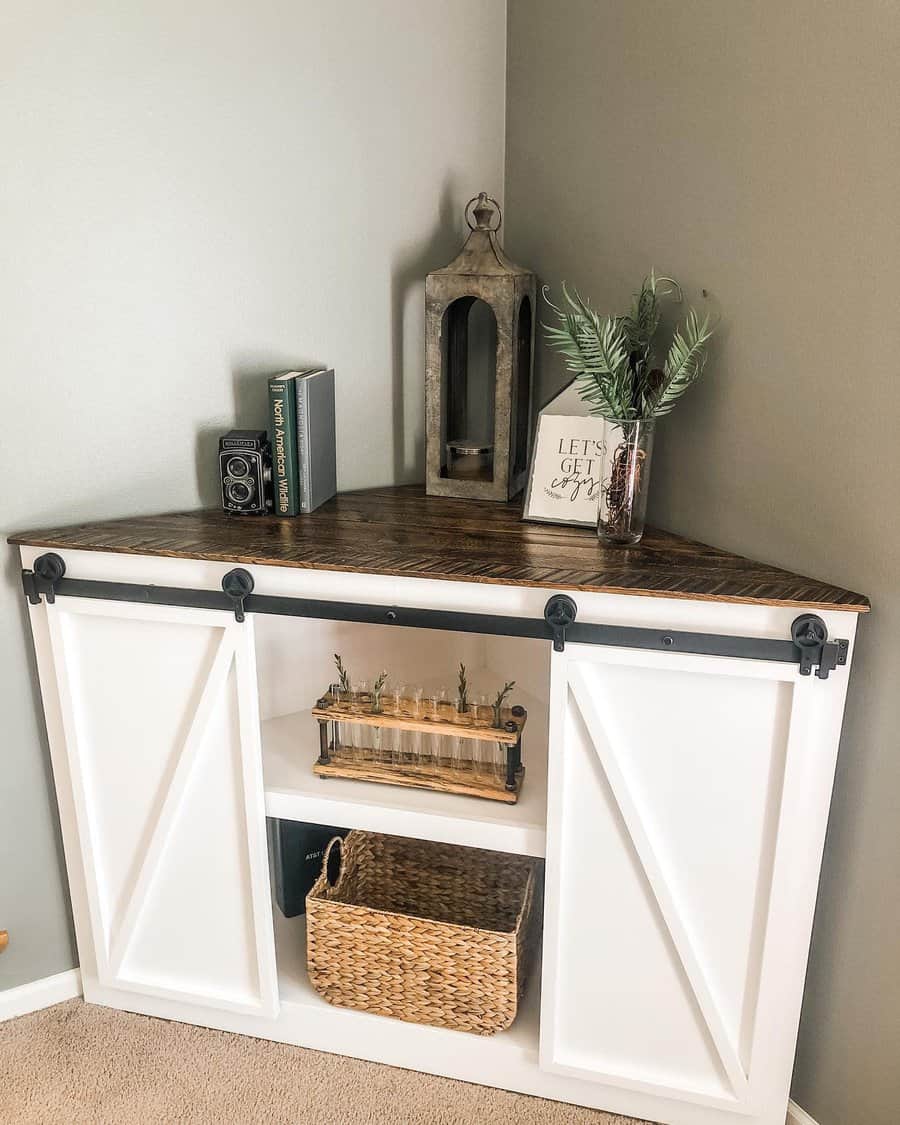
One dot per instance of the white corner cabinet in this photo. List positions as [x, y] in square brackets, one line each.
[678, 776]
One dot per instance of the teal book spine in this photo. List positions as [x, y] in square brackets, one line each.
[283, 423]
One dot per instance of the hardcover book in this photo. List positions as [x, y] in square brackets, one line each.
[283, 424]
[316, 454]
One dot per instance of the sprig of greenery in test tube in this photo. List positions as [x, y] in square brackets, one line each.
[377, 689]
[463, 690]
[498, 702]
[343, 673]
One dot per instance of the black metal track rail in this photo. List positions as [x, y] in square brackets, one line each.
[807, 647]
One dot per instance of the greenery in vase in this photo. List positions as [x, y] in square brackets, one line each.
[498, 702]
[343, 674]
[462, 691]
[377, 689]
[613, 359]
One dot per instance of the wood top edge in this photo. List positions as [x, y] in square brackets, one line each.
[860, 605]
[399, 532]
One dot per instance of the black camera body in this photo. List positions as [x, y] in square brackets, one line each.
[245, 468]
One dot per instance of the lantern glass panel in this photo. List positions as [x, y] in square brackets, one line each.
[468, 389]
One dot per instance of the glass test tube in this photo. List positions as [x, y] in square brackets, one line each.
[395, 696]
[337, 733]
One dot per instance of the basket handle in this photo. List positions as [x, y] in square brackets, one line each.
[332, 863]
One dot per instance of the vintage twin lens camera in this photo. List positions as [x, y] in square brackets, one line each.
[245, 466]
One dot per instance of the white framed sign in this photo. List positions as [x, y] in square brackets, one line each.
[564, 483]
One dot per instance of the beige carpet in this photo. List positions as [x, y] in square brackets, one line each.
[78, 1064]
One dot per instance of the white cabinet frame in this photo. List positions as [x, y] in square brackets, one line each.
[285, 1008]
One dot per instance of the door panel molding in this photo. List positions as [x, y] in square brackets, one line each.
[171, 804]
[657, 879]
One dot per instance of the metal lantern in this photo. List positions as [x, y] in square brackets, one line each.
[479, 351]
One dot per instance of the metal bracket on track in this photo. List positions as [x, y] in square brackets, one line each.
[559, 613]
[47, 572]
[237, 585]
[810, 635]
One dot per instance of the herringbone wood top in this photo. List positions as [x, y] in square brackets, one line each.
[400, 531]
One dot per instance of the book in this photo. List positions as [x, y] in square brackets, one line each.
[283, 423]
[316, 447]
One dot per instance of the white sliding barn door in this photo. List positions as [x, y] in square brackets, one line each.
[688, 797]
[159, 712]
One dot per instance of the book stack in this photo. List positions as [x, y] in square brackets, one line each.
[301, 413]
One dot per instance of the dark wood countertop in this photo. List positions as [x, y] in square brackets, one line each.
[400, 531]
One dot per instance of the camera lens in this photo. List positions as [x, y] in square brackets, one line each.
[237, 467]
[238, 491]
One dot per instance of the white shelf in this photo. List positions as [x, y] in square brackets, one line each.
[356, 1033]
[294, 792]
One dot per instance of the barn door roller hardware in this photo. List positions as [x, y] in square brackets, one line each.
[238, 584]
[559, 613]
[809, 634]
[48, 571]
[808, 646]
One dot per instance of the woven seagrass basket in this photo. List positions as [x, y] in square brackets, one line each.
[423, 932]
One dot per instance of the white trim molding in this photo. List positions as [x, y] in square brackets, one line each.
[798, 1116]
[40, 994]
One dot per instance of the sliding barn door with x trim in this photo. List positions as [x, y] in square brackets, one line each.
[686, 811]
[161, 730]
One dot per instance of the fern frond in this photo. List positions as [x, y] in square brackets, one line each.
[595, 350]
[684, 364]
[641, 322]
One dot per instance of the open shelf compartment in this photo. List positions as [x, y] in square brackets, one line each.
[308, 1017]
[292, 656]
[294, 792]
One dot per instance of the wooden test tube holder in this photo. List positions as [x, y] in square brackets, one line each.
[335, 760]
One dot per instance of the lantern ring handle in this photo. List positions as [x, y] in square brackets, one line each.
[490, 199]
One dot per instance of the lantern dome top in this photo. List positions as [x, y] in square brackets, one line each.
[482, 253]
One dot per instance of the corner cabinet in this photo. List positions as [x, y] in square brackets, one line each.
[684, 716]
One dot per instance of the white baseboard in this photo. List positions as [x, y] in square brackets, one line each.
[798, 1116]
[40, 994]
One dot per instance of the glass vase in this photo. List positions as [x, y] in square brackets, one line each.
[624, 480]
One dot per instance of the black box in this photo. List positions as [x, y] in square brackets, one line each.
[297, 851]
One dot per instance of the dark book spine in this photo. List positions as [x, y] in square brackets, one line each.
[283, 421]
[303, 450]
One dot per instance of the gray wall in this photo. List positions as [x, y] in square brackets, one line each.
[754, 149]
[194, 195]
